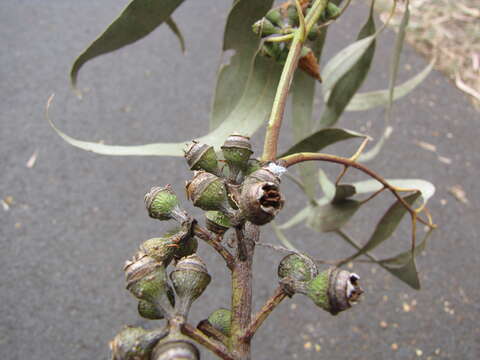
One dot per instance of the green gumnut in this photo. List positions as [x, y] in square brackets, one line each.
[264, 27]
[201, 157]
[221, 319]
[160, 202]
[298, 267]
[317, 290]
[149, 311]
[274, 16]
[217, 222]
[207, 191]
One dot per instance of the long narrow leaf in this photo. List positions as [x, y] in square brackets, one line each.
[248, 115]
[372, 99]
[176, 30]
[239, 37]
[137, 20]
[387, 224]
[370, 186]
[350, 82]
[394, 65]
[321, 139]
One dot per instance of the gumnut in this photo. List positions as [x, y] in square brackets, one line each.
[201, 157]
[135, 343]
[189, 279]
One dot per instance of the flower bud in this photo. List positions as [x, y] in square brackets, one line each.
[217, 222]
[147, 280]
[162, 204]
[274, 16]
[135, 343]
[334, 290]
[331, 12]
[237, 151]
[298, 267]
[261, 199]
[189, 279]
[221, 320]
[264, 27]
[175, 348]
[207, 191]
[201, 157]
[149, 311]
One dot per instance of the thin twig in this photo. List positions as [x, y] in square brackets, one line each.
[213, 345]
[278, 109]
[293, 159]
[266, 310]
[207, 328]
[213, 241]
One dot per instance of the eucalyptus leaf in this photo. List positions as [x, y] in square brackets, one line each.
[387, 224]
[370, 186]
[332, 216]
[334, 193]
[249, 114]
[372, 99]
[350, 82]
[394, 66]
[404, 257]
[343, 61]
[407, 273]
[321, 139]
[239, 37]
[176, 30]
[282, 238]
[137, 20]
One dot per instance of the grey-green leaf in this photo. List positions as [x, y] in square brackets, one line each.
[387, 224]
[137, 20]
[321, 139]
[350, 82]
[394, 66]
[249, 114]
[343, 61]
[369, 186]
[239, 37]
[372, 99]
[332, 216]
[333, 193]
[176, 30]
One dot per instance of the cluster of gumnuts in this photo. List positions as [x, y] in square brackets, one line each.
[283, 20]
[232, 191]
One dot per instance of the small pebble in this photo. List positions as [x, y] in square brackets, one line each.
[318, 347]
[307, 345]
[406, 307]
[383, 324]
[394, 347]
[419, 352]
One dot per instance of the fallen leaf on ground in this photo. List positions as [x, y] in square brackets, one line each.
[459, 194]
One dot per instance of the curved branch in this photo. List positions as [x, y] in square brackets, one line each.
[214, 242]
[293, 159]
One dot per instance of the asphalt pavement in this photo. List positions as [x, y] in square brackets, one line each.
[74, 217]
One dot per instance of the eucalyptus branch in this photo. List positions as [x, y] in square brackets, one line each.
[276, 116]
[265, 311]
[214, 242]
[293, 159]
[213, 345]
[210, 331]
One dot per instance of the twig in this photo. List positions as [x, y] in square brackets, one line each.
[215, 346]
[208, 329]
[278, 109]
[293, 159]
[266, 310]
[211, 240]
